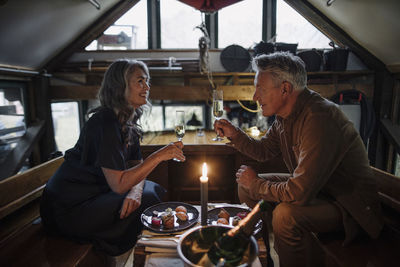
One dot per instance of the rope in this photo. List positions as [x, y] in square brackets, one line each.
[247, 109]
[204, 64]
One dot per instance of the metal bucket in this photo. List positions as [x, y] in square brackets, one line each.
[196, 242]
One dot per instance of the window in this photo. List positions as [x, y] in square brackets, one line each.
[152, 120]
[128, 32]
[397, 166]
[12, 119]
[240, 24]
[178, 25]
[162, 116]
[291, 27]
[66, 124]
[198, 110]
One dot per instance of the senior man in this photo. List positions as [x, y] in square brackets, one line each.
[329, 187]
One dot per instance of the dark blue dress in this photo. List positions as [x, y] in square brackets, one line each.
[77, 201]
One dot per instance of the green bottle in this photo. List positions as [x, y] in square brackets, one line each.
[228, 250]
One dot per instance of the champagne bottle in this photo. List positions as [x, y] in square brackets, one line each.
[230, 247]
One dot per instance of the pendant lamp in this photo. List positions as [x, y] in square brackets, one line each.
[209, 6]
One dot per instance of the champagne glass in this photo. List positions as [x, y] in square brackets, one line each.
[179, 126]
[218, 108]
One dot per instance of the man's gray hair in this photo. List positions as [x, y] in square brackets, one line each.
[283, 66]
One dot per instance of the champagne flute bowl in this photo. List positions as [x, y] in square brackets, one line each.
[218, 108]
[179, 126]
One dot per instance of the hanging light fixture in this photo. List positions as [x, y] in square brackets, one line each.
[209, 6]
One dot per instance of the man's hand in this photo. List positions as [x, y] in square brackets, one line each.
[131, 202]
[245, 176]
[225, 128]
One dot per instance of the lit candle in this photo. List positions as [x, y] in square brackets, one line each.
[204, 194]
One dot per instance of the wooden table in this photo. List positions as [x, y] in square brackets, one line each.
[190, 138]
[140, 252]
[181, 179]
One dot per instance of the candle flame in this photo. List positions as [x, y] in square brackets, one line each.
[204, 169]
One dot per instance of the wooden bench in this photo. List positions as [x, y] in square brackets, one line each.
[364, 252]
[23, 241]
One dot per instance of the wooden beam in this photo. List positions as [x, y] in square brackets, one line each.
[167, 92]
[42, 107]
[92, 32]
[73, 92]
[194, 93]
[18, 155]
[392, 133]
[328, 27]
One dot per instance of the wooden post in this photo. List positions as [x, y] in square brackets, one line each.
[42, 108]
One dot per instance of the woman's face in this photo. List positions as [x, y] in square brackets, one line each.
[138, 88]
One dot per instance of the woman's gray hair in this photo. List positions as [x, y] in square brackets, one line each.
[112, 94]
[283, 66]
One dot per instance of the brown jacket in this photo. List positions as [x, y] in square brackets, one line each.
[324, 155]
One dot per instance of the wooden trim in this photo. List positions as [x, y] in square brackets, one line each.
[17, 186]
[395, 68]
[326, 26]
[392, 133]
[153, 24]
[269, 20]
[73, 92]
[20, 202]
[92, 32]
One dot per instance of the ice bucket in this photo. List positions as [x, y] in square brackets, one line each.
[197, 241]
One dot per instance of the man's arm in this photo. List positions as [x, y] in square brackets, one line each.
[261, 150]
[321, 149]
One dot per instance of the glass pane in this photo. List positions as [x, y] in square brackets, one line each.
[66, 124]
[397, 166]
[152, 121]
[240, 24]
[178, 25]
[128, 32]
[12, 123]
[291, 27]
[189, 111]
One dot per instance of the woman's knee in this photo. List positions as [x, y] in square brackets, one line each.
[152, 193]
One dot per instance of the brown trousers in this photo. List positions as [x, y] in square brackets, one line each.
[294, 226]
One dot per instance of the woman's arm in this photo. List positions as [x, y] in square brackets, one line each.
[132, 201]
[122, 181]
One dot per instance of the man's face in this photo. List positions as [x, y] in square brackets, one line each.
[268, 94]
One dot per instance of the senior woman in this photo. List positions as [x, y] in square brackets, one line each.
[96, 195]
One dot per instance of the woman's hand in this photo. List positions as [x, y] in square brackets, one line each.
[172, 150]
[131, 202]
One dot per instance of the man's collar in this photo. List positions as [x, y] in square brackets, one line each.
[301, 100]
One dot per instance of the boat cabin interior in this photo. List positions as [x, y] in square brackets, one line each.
[53, 56]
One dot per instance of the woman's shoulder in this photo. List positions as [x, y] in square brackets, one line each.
[103, 114]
